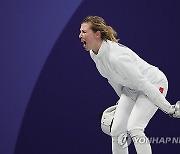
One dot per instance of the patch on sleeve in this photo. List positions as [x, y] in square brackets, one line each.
[161, 90]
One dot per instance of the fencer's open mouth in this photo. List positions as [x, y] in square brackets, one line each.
[84, 43]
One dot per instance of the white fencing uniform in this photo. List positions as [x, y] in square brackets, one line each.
[141, 87]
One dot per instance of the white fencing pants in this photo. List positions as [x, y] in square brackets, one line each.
[131, 117]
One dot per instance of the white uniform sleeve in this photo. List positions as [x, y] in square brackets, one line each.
[134, 79]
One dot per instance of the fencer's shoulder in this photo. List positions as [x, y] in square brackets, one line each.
[117, 51]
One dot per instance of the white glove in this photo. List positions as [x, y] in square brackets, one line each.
[176, 113]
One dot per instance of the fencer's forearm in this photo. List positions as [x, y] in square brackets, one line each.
[157, 98]
[163, 104]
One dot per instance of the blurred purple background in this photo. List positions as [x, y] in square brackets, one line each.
[51, 94]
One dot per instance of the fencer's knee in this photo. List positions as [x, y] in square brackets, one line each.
[118, 135]
[121, 139]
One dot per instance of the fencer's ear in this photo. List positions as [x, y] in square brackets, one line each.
[98, 34]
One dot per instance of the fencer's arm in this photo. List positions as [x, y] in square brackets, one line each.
[128, 70]
[117, 87]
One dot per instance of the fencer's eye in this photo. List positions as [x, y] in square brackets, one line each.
[83, 31]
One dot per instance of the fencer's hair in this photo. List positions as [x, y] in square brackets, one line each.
[99, 24]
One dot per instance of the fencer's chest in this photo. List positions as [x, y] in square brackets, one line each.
[107, 71]
[103, 68]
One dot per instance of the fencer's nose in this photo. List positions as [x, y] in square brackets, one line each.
[80, 35]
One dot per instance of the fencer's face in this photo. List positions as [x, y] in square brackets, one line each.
[88, 37]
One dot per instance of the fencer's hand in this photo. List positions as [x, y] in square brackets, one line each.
[176, 107]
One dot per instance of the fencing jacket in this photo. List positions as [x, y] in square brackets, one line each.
[124, 68]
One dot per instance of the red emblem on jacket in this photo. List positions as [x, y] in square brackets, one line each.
[161, 89]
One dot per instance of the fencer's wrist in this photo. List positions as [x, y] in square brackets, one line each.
[172, 110]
